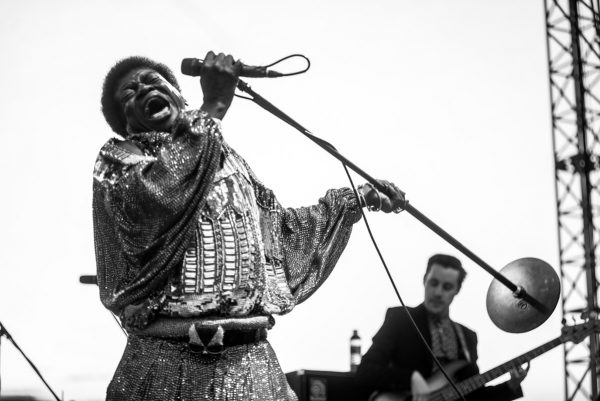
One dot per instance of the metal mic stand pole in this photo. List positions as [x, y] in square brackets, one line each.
[518, 291]
[1, 333]
[4, 332]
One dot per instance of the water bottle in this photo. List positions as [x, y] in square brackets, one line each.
[355, 343]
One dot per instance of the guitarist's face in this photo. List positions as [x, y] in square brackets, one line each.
[441, 285]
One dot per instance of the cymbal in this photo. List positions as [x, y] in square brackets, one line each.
[515, 313]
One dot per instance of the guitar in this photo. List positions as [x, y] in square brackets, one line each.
[441, 391]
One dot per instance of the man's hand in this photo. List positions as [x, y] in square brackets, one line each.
[516, 377]
[390, 200]
[418, 387]
[218, 80]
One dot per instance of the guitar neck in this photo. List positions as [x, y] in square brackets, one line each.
[473, 383]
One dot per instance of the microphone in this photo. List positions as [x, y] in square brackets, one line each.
[193, 67]
[88, 279]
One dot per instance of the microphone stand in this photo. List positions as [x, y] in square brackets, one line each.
[4, 332]
[518, 291]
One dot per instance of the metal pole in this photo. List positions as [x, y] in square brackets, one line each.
[518, 291]
[5, 332]
[583, 166]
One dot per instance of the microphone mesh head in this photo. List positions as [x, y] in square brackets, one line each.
[191, 66]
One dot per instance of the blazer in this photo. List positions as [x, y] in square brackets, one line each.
[397, 351]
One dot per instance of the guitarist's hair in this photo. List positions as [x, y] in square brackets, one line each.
[449, 262]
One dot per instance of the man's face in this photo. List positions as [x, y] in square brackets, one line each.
[149, 102]
[441, 285]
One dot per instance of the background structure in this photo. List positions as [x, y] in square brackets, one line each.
[573, 29]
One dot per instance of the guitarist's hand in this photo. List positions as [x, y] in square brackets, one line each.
[419, 388]
[516, 377]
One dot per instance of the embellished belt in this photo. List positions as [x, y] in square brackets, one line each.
[207, 341]
[209, 335]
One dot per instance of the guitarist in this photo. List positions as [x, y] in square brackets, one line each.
[398, 363]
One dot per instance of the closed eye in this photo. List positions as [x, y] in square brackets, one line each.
[126, 94]
[152, 77]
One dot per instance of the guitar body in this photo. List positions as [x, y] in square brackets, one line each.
[435, 382]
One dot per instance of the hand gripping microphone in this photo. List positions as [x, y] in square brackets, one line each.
[193, 67]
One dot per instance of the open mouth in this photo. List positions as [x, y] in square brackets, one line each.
[157, 108]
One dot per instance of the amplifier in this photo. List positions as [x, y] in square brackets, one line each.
[318, 385]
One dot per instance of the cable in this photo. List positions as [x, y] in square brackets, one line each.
[119, 323]
[387, 270]
[262, 102]
[288, 74]
[4, 332]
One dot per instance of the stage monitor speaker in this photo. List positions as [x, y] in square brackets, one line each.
[318, 385]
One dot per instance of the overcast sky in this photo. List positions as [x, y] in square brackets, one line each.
[448, 99]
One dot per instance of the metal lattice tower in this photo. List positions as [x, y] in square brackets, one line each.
[573, 36]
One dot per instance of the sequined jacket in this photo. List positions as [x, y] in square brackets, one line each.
[184, 229]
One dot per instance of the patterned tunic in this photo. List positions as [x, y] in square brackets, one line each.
[186, 234]
[225, 270]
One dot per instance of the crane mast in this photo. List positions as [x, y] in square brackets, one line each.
[573, 35]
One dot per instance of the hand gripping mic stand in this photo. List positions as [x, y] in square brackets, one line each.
[5, 333]
[507, 303]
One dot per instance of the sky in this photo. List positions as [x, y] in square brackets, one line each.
[448, 99]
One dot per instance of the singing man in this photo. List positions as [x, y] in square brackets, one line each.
[194, 254]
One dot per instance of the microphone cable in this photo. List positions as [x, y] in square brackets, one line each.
[120, 325]
[283, 74]
[387, 270]
[262, 102]
[289, 74]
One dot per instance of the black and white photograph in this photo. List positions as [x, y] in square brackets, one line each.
[382, 200]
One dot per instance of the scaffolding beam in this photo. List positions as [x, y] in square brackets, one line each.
[572, 31]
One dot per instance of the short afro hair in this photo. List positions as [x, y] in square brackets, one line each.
[110, 106]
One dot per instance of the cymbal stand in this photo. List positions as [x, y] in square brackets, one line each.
[518, 291]
[5, 333]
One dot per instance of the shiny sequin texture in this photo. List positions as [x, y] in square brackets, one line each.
[156, 369]
[186, 236]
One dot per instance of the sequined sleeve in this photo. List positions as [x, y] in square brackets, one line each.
[145, 208]
[314, 237]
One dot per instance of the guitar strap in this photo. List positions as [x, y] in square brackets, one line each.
[463, 343]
